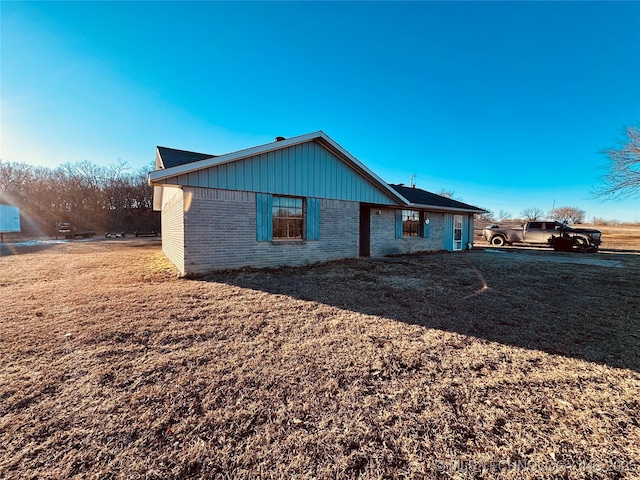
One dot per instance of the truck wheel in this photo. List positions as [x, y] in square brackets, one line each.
[497, 241]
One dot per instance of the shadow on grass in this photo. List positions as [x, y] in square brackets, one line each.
[588, 312]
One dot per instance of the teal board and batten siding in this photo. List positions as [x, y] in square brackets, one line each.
[304, 170]
[448, 231]
[264, 225]
[312, 217]
[467, 230]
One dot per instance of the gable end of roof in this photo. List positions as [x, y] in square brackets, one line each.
[172, 157]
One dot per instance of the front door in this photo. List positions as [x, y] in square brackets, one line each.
[365, 230]
[457, 232]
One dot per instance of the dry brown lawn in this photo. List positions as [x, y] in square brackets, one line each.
[621, 237]
[474, 365]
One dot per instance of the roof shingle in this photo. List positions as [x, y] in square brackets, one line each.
[172, 157]
[422, 197]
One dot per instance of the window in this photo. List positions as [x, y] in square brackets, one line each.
[457, 232]
[410, 223]
[287, 217]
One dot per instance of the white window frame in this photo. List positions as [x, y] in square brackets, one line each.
[457, 232]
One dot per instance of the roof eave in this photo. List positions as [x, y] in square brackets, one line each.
[447, 209]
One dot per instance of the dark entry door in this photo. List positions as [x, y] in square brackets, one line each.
[365, 230]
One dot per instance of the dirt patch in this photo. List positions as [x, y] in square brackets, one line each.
[463, 365]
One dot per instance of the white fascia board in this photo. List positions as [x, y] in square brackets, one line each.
[159, 163]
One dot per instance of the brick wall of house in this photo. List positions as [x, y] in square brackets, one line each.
[220, 233]
[383, 235]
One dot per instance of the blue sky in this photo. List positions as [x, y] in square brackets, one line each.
[507, 104]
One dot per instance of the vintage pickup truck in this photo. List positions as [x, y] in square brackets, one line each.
[544, 232]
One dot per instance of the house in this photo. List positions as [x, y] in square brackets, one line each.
[294, 201]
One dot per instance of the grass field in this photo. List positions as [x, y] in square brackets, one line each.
[520, 364]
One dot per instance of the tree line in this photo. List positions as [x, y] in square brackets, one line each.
[90, 197]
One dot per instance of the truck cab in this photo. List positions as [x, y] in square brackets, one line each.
[539, 232]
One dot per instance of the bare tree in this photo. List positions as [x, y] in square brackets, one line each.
[485, 217]
[567, 214]
[446, 193]
[503, 215]
[622, 180]
[531, 214]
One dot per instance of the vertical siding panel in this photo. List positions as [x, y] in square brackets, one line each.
[313, 219]
[465, 231]
[255, 174]
[297, 154]
[222, 175]
[248, 174]
[277, 163]
[208, 180]
[352, 187]
[317, 177]
[471, 227]
[322, 178]
[311, 167]
[240, 179]
[304, 169]
[398, 223]
[285, 171]
[448, 231]
[331, 178]
[264, 173]
[264, 228]
[230, 169]
[293, 173]
[271, 173]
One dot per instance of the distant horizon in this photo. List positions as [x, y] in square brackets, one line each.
[506, 104]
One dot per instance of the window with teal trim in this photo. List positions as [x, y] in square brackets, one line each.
[287, 215]
[410, 223]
